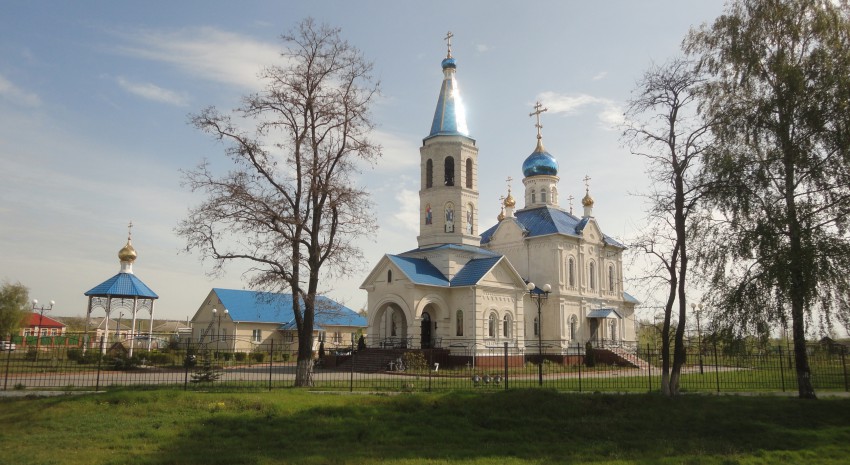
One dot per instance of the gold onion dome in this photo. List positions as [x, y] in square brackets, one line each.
[127, 253]
[510, 201]
[501, 215]
[587, 201]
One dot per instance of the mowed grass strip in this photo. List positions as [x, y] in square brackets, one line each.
[514, 427]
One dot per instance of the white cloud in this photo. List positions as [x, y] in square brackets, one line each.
[206, 53]
[11, 92]
[609, 112]
[407, 214]
[482, 48]
[601, 75]
[399, 151]
[153, 92]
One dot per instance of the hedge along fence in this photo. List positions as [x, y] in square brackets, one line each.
[272, 366]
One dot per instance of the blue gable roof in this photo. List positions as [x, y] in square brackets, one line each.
[419, 270]
[548, 220]
[122, 285]
[267, 307]
[474, 270]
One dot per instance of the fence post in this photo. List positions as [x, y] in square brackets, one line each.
[580, 363]
[271, 357]
[649, 363]
[9, 357]
[844, 367]
[506, 366]
[186, 365]
[781, 368]
[353, 357]
[99, 360]
[716, 368]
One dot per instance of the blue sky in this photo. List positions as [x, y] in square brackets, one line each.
[95, 98]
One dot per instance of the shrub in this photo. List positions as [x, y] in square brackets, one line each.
[31, 355]
[414, 361]
[589, 359]
[226, 356]
[74, 354]
[258, 356]
[241, 356]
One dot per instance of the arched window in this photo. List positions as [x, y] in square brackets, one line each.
[592, 277]
[429, 174]
[613, 334]
[533, 197]
[450, 171]
[571, 272]
[506, 326]
[543, 195]
[611, 277]
[536, 326]
[469, 173]
[491, 325]
[459, 323]
[573, 327]
[389, 276]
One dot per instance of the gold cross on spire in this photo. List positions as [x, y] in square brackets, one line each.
[448, 40]
[130, 230]
[538, 109]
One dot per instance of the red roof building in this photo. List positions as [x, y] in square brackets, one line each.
[42, 325]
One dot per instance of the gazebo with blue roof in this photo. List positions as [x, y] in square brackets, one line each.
[124, 290]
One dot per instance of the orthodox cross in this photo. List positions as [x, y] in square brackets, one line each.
[448, 40]
[129, 230]
[570, 199]
[538, 108]
[586, 183]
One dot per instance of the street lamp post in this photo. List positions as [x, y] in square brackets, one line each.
[539, 295]
[41, 311]
[218, 326]
[699, 335]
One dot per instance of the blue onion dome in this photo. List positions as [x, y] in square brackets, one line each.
[540, 163]
[448, 63]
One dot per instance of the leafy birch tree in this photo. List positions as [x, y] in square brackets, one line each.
[778, 84]
[289, 205]
[662, 125]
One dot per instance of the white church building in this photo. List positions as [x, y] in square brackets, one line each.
[468, 290]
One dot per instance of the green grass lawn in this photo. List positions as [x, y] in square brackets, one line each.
[497, 427]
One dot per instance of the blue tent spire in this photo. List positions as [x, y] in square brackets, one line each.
[450, 116]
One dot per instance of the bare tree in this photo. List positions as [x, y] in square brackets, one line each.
[662, 125]
[289, 206]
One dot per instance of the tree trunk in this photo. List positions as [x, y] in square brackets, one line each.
[304, 371]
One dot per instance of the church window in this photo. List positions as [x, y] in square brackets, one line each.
[506, 326]
[543, 195]
[429, 174]
[491, 325]
[573, 327]
[613, 334]
[592, 275]
[469, 173]
[389, 276]
[450, 171]
[459, 323]
[571, 272]
[533, 197]
[536, 326]
[611, 277]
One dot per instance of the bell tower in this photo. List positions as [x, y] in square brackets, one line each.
[448, 195]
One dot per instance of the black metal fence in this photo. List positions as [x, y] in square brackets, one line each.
[71, 364]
